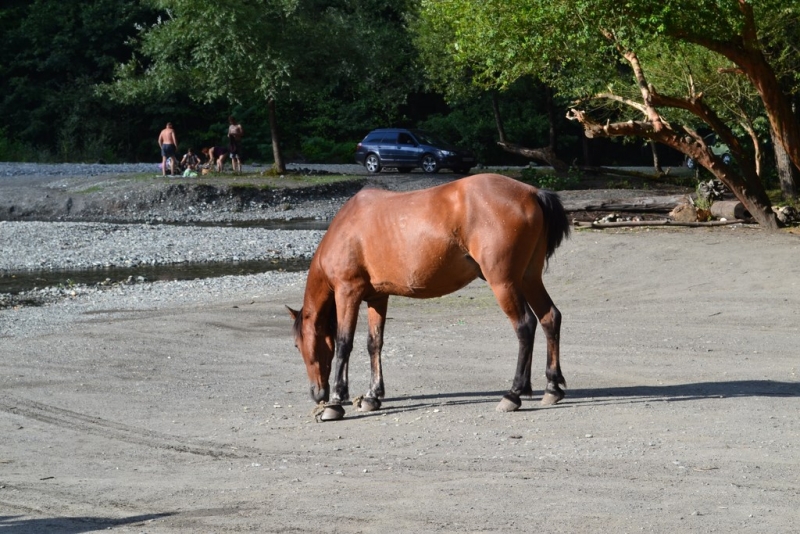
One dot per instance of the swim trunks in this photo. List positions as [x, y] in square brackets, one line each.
[168, 150]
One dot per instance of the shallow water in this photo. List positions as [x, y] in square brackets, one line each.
[16, 282]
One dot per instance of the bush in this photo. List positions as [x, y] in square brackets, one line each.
[12, 150]
[550, 180]
[319, 150]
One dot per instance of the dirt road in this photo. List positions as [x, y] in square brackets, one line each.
[680, 350]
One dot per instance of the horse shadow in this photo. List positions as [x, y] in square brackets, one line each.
[577, 398]
[10, 524]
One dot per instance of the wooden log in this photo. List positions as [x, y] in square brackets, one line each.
[663, 222]
[661, 204]
[729, 209]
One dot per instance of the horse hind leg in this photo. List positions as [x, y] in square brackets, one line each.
[376, 317]
[512, 302]
[550, 319]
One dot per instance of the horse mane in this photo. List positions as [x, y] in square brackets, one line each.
[555, 217]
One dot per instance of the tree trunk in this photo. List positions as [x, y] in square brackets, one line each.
[750, 192]
[551, 118]
[587, 151]
[279, 165]
[656, 164]
[745, 185]
[746, 52]
[786, 171]
[544, 154]
[498, 119]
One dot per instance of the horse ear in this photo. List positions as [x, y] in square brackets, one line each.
[293, 313]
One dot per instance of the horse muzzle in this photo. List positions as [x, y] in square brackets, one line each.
[319, 394]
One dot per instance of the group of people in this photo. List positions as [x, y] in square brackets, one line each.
[191, 162]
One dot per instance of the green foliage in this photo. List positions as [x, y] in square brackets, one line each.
[12, 150]
[319, 150]
[341, 65]
[550, 180]
[470, 123]
[53, 54]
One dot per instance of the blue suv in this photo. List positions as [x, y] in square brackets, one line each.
[408, 149]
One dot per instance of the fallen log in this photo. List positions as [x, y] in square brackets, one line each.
[728, 209]
[654, 175]
[644, 205]
[661, 222]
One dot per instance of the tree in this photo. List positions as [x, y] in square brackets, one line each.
[576, 47]
[219, 49]
[320, 53]
[54, 52]
[435, 34]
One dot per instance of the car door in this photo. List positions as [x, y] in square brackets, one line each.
[389, 150]
[408, 152]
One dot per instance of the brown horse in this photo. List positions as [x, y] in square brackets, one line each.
[425, 244]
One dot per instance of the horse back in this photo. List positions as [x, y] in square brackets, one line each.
[431, 242]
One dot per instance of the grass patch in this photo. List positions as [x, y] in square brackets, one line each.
[247, 179]
[90, 190]
[776, 198]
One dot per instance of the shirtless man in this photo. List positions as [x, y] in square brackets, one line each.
[235, 133]
[169, 148]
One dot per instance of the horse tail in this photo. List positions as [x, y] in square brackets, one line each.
[555, 218]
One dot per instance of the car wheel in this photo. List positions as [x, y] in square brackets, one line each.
[727, 159]
[404, 170]
[429, 164]
[372, 163]
[690, 163]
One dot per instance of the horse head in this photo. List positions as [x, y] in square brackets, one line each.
[316, 344]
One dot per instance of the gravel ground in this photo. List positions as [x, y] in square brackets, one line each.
[49, 246]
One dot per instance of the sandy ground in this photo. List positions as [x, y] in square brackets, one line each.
[680, 349]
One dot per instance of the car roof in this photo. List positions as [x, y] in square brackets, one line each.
[382, 130]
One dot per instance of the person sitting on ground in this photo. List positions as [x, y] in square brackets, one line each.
[169, 148]
[216, 155]
[190, 160]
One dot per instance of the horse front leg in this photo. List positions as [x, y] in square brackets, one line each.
[346, 316]
[376, 317]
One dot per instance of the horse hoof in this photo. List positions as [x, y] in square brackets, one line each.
[369, 404]
[508, 404]
[332, 413]
[551, 398]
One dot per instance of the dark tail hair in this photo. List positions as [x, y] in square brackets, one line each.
[555, 217]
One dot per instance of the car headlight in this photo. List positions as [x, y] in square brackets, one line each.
[445, 154]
